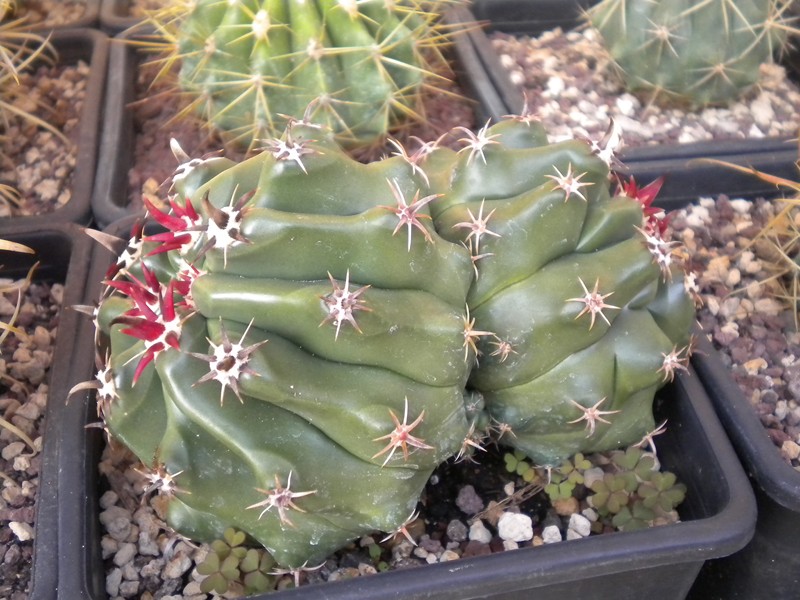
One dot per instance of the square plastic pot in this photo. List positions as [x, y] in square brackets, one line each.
[686, 176]
[63, 255]
[116, 17]
[769, 566]
[718, 516]
[110, 199]
[90, 46]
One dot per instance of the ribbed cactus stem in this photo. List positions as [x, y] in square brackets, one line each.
[356, 67]
[685, 51]
[573, 284]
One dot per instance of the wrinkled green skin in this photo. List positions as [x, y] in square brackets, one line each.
[531, 271]
[318, 403]
[364, 74]
[734, 33]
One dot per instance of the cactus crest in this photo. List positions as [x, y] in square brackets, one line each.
[344, 306]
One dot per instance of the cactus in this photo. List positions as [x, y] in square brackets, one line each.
[695, 53]
[360, 66]
[297, 351]
[306, 383]
[581, 305]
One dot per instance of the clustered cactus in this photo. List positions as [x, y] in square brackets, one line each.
[627, 488]
[308, 337]
[359, 66]
[692, 52]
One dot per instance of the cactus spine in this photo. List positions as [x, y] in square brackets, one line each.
[684, 51]
[296, 352]
[359, 66]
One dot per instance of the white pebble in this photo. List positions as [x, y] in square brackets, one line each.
[22, 463]
[449, 555]
[762, 111]
[580, 525]
[515, 526]
[768, 306]
[555, 85]
[781, 408]
[22, 530]
[13, 450]
[592, 475]
[741, 205]
[734, 277]
[113, 580]
[125, 554]
[479, 533]
[626, 104]
[510, 545]
[551, 534]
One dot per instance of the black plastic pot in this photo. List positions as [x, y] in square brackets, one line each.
[110, 199]
[687, 178]
[63, 253]
[718, 516]
[116, 17]
[769, 566]
[90, 46]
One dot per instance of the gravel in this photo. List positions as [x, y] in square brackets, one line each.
[52, 13]
[569, 86]
[754, 332]
[24, 365]
[38, 163]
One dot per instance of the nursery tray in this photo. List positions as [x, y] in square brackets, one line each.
[769, 566]
[686, 176]
[62, 251]
[110, 199]
[718, 515]
[90, 46]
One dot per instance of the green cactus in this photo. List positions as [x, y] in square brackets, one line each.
[357, 67]
[296, 353]
[232, 567]
[311, 377]
[580, 312]
[685, 51]
[633, 492]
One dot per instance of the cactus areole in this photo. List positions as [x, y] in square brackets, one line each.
[356, 67]
[308, 337]
[685, 51]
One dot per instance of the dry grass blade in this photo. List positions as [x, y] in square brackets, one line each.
[778, 241]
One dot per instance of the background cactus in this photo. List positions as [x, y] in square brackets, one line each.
[692, 52]
[359, 66]
[584, 310]
[305, 386]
